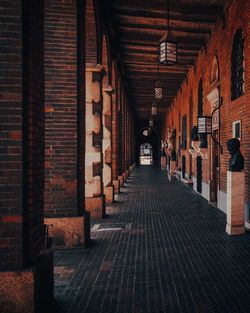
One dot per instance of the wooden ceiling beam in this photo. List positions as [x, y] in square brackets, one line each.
[152, 33]
[174, 29]
[121, 19]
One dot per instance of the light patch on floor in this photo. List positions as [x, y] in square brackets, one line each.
[111, 227]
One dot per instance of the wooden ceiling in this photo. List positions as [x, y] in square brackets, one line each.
[138, 26]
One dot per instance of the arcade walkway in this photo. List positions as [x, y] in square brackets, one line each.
[169, 253]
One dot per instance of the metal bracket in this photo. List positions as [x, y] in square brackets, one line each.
[218, 108]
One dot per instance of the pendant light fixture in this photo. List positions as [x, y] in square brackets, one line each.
[151, 121]
[154, 109]
[158, 86]
[167, 46]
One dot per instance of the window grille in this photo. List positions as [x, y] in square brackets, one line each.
[200, 99]
[184, 132]
[237, 66]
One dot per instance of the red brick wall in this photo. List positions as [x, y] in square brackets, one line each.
[22, 124]
[220, 44]
[11, 135]
[61, 108]
[33, 130]
[115, 98]
[81, 54]
[120, 145]
[92, 41]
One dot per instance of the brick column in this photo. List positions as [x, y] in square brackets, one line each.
[120, 137]
[107, 145]
[94, 197]
[127, 141]
[25, 260]
[115, 157]
[64, 115]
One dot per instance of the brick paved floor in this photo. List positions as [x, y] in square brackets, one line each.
[174, 256]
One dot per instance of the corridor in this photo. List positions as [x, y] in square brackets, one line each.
[168, 253]
[124, 156]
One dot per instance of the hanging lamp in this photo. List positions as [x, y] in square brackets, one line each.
[158, 86]
[167, 46]
[151, 121]
[154, 109]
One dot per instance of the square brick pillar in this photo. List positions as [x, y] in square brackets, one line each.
[116, 184]
[26, 265]
[107, 144]
[94, 196]
[172, 166]
[163, 163]
[235, 203]
[121, 180]
[64, 124]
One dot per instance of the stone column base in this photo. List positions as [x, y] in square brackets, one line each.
[69, 232]
[116, 185]
[235, 203]
[96, 206]
[235, 230]
[109, 194]
[30, 289]
[121, 180]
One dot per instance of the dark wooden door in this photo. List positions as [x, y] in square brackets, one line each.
[199, 174]
[183, 166]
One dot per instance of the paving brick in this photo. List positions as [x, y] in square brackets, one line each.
[176, 257]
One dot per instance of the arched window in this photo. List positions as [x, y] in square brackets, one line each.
[237, 66]
[214, 75]
[200, 99]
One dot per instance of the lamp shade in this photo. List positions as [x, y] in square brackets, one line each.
[158, 90]
[167, 50]
[154, 109]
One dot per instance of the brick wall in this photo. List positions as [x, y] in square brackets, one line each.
[120, 149]
[33, 130]
[115, 98]
[220, 44]
[81, 53]
[11, 134]
[61, 108]
[21, 115]
[94, 34]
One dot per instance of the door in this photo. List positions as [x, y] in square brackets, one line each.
[215, 168]
[199, 174]
[183, 167]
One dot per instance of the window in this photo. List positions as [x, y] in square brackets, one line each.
[237, 129]
[184, 132]
[200, 99]
[214, 75]
[237, 66]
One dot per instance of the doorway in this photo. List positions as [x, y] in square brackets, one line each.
[199, 173]
[215, 168]
[183, 167]
[146, 154]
